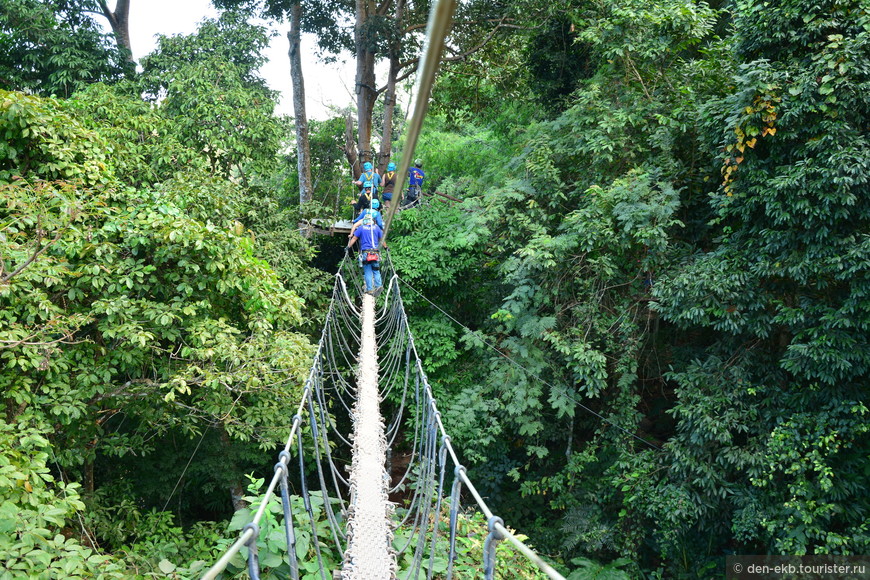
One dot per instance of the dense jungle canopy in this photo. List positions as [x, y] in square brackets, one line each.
[664, 220]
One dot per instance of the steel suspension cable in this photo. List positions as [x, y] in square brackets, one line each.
[440, 18]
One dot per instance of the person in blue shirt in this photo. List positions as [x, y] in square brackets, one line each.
[369, 236]
[368, 216]
[368, 181]
[415, 182]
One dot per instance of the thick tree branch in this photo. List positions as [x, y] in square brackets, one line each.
[120, 22]
[32, 258]
[456, 56]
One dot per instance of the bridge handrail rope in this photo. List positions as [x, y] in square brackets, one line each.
[433, 450]
[395, 330]
[497, 529]
[251, 531]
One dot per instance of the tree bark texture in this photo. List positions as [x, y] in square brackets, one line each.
[366, 91]
[390, 96]
[119, 19]
[301, 120]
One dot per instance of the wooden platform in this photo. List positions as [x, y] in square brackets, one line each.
[325, 227]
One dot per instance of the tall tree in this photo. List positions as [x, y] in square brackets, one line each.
[303, 150]
[119, 19]
[54, 47]
[209, 82]
[392, 30]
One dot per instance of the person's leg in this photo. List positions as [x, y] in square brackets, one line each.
[377, 278]
[368, 274]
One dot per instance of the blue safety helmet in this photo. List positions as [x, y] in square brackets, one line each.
[367, 166]
[375, 204]
[391, 166]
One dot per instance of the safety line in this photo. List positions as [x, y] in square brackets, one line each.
[440, 18]
[497, 530]
[530, 373]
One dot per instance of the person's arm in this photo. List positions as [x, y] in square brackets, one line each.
[379, 219]
[353, 228]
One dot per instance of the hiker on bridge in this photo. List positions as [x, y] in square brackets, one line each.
[369, 236]
[368, 182]
[389, 181]
[368, 216]
[415, 184]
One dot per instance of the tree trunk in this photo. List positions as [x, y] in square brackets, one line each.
[236, 489]
[349, 149]
[390, 97]
[366, 91]
[389, 108]
[88, 483]
[120, 22]
[300, 119]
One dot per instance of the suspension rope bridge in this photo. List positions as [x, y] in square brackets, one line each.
[361, 521]
[379, 539]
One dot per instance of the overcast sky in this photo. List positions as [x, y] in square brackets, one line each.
[325, 85]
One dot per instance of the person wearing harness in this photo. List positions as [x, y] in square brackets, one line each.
[369, 237]
[415, 183]
[368, 181]
[389, 181]
[368, 216]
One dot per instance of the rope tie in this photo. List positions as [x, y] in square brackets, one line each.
[253, 560]
[454, 514]
[489, 546]
[289, 532]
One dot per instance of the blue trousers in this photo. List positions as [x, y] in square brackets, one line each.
[372, 276]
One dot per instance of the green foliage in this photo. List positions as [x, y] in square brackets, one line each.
[272, 541]
[152, 305]
[54, 48]
[557, 61]
[589, 570]
[755, 290]
[151, 543]
[41, 140]
[35, 510]
[471, 533]
[218, 104]
[778, 291]
[676, 241]
[143, 142]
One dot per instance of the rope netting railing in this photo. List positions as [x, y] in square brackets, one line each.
[433, 455]
[318, 475]
[314, 462]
